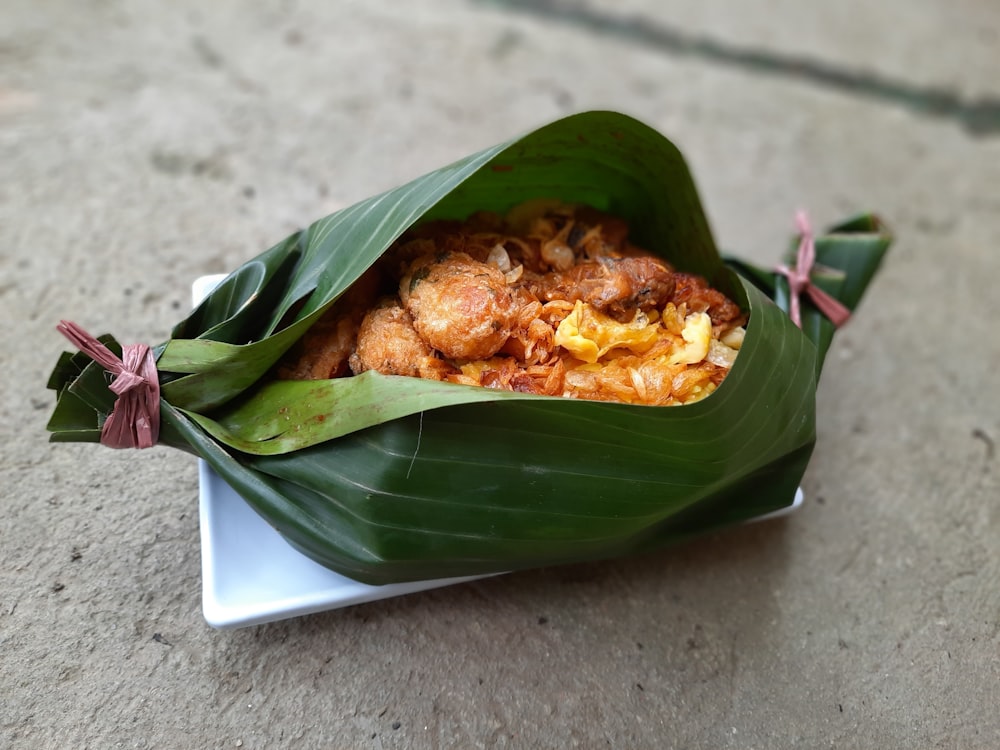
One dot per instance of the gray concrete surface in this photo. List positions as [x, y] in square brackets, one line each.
[143, 144]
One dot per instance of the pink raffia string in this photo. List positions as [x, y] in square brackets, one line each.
[799, 281]
[135, 420]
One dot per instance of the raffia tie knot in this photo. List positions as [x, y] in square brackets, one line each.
[799, 281]
[134, 422]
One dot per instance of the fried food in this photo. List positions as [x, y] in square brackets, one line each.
[551, 299]
[388, 342]
[460, 306]
[616, 286]
[326, 348]
[695, 292]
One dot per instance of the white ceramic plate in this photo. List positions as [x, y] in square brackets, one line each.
[251, 575]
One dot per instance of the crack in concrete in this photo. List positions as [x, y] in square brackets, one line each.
[979, 117]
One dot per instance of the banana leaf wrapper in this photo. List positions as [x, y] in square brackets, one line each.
[390, 479]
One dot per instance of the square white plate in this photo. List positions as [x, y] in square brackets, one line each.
[251, 575]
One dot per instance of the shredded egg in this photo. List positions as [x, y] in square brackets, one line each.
[589, 334]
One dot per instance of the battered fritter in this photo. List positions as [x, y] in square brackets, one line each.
[460, 306]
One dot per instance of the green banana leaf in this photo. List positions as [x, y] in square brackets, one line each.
[387, 478]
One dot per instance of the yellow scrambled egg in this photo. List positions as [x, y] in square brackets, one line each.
[589, 334]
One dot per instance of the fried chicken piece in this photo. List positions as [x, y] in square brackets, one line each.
[615, 286]
[695, 292]
[461, 307]
[388, 343]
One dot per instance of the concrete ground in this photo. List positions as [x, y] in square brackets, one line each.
[144, 144]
